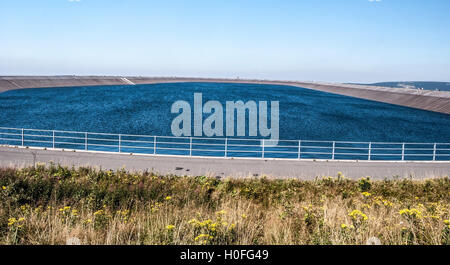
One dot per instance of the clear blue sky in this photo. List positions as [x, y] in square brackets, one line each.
[326, 40]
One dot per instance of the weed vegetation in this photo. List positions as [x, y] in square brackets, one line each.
[51, 204]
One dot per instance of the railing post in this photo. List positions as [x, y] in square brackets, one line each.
[190, 146]
[403, 152]
[120, 143]
[53, 139]
[226, 147]
[434, 152]
[370, 151]
[299, 148]
[262, 148]
[22, 137]
[154, 145]
[85, 141]
[332, 155]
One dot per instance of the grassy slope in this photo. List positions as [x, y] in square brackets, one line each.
[46, 205]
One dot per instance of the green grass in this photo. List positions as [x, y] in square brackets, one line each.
[49, 204]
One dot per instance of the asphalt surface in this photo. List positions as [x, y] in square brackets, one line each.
[196, 166]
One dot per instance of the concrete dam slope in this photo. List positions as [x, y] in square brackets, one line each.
[437, 101]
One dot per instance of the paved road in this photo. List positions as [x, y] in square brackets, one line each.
[20, 157]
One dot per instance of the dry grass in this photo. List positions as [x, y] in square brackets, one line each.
[48, 205]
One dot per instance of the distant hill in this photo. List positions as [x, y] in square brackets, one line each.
[441, 86]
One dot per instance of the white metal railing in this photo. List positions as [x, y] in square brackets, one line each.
[224, 147]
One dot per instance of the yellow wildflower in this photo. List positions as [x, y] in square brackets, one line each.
[411, 212]
[366, 206]
[170, 227]
[387, 203]
[356, 214]
[222, 212]
[203, 236]
[168, 198]
[213, 226]
[193, 221]
[99, 212]
[11, 221]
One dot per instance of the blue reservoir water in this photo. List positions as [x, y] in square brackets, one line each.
[145, 110]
